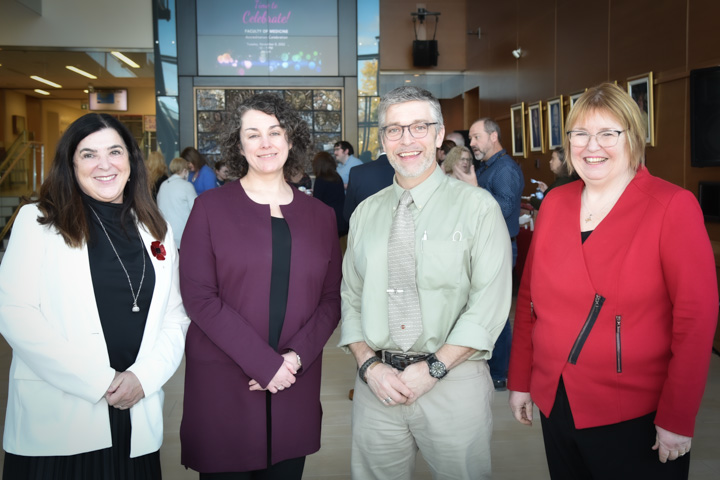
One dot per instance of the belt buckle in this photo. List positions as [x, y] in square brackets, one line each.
[402, 360]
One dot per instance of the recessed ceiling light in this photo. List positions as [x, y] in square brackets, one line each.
[47, 82]
[125, 59]
[42, 91]
[81, 72]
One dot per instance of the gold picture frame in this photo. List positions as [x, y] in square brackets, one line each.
[555, 122]
[535, 127]
[640, 88]
[517, 124]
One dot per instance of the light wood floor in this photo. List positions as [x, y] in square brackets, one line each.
[517, 451]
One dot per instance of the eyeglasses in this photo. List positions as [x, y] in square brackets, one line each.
[604, 138]
[417, 130]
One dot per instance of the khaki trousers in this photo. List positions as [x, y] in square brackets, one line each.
[451, 425]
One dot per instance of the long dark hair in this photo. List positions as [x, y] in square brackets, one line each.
[324, 167]
[60, 200]
[192, 155]
[296, 131]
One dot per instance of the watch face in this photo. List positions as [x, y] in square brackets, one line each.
[437, 369]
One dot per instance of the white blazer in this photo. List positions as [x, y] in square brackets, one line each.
[60, 367]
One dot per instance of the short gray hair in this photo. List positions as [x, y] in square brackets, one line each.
[404, 94]
[490, 126]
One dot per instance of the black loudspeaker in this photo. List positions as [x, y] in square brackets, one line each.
[425, 53]
[705, 117]
[709, 197]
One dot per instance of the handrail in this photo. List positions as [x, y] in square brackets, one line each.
[10, 222]
[18, 150]
[19, 156]
[19, 142]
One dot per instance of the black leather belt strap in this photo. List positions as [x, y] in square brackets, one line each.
[401, 360]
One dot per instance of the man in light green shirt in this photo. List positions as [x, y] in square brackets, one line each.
[436, 396]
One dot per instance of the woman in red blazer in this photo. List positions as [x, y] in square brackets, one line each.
[260, 279]
[616, 309]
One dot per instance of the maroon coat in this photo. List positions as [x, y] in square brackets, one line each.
[225, 269]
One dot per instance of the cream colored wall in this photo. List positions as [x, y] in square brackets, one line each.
[141, 101]
[14, 105]
[125, 24]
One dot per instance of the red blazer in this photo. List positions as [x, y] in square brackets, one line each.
[225, 269]
[649, 348]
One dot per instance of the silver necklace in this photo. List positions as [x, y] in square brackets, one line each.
[135, 296]
[612, 201]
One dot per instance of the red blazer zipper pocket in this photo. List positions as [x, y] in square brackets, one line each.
[618, 346]
[587, 327]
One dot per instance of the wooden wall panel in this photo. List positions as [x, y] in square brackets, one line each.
[582, 45]
[646, 35]
[536, 37]
[491, 55]
[453, 111]
[703, 33]
[666, 158]
[397, 34]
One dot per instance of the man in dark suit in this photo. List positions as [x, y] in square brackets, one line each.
[365, 180]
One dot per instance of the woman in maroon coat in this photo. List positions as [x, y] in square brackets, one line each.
[260, 279]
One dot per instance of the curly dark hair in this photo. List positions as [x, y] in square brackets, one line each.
[297, 133]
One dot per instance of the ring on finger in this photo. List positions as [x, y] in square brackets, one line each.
[387, 400]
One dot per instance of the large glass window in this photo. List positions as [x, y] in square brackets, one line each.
[368, 88]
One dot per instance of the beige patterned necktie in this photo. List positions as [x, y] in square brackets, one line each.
[404, 314]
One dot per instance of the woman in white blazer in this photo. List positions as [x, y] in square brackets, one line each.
[90, 304]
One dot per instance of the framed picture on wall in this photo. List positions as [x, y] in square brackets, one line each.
[640, 89]
[535, 124]
[517, 122]
[574, 97]
[555, 122]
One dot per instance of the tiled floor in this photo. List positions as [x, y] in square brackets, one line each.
[517, 450]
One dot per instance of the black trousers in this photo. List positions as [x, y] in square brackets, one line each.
[286, 470]
[611, 452]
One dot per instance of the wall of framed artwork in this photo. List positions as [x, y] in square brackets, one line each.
[555, 122]
[640, 88]
[517, 123]
[535, 127]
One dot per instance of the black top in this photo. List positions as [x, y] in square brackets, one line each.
[123, 328]
[333, 195]
[584, 235]
[279, 278]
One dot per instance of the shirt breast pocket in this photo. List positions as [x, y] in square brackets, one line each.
[441, 264]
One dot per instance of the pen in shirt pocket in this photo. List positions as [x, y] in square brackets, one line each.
[422, 244]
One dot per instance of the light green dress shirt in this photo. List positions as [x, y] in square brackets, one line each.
[464, 267]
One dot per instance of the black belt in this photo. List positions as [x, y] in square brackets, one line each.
[401, 360]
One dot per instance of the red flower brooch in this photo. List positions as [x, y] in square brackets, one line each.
[158, 250]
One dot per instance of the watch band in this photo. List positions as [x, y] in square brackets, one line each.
[437, 368]
[364, 367]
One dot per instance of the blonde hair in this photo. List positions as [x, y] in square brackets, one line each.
[610, 99]
[156, 166]
[178, 164]
[454, 156]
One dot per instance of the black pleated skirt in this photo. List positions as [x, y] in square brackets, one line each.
[112, 463]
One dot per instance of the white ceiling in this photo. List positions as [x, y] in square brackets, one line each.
[17, 65]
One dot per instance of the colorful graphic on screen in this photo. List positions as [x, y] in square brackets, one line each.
[267, 38]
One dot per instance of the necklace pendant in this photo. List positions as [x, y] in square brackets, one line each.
[588, 218]
[135, 308]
